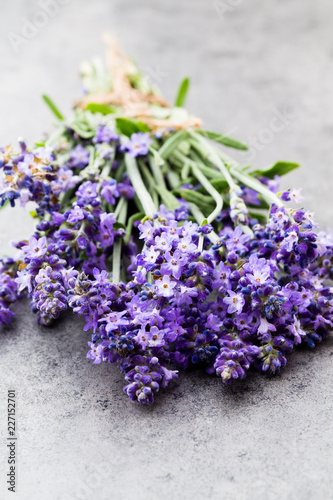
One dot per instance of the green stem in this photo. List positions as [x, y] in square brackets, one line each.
[253, 183]
[157, 172]
[131, 220]
[118, 213]
[171, 144]
[222, 161]
[134, 174]
[213, 156]
[207, 185]
[149, 180]
[121, 212]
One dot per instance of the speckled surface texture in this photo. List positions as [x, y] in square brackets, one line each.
[261, 71]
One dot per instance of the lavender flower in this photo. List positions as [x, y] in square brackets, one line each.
[138, 144]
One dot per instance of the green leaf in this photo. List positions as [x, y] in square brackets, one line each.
[223, 139]
[279, 168]
[182, 93]
[100, 108]
[169, 200]
[118, 225]
[129, 127]
[52, 107]
[220, 185]
[142, 127]
[203, 202]
[39, 144]
[126, 126]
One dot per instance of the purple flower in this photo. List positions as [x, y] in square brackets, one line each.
[237, 240]
[308, 218]
[44, 275]
[65, 181]
[106, 233]
[75, 215]
[35, 248]
[293, 195]
[114, 320]
[68, 274]
[142, 338]
[221, 276]
[213, 322]
[58, 218]
[174, 264]
[87, 192]
[290, 240]
[24, 281]
[322, 322]
[146, 230]
[150, 255]
[258, 277]
[186, 246]
[296, 330]
[110, 191]
[165, 286]
[138, 144]
[101, 277]
[265, 326]
[243, 320]
[163, 242]
[107, 221]
[254, 262]
[235, 302]
[186, 294]
[79, 157]
[95, 353]
[126, 189]
[6, 315]
[250, 196]
[105, 134]
[156, 337]
[168, 376]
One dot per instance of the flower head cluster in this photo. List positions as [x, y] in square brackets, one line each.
[9, 292]
[243, 301]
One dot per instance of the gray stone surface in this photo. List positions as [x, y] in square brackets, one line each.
[266, 438]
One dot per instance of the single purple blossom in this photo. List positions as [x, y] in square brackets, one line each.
[235, 302]
[138, 144]
[165, 286]
[23, 279]
[75, 215]
[237, 240]
[95, 353]
[35, 248]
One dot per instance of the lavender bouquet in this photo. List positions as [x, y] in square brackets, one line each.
[174, 254]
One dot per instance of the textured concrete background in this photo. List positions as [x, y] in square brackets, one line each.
[266, 438]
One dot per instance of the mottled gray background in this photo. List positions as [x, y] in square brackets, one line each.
[266, 438]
